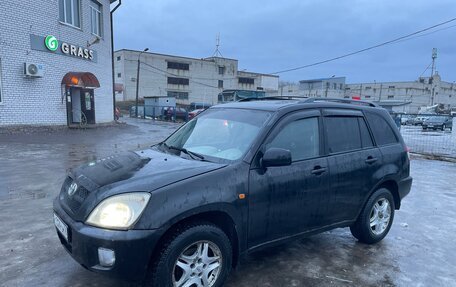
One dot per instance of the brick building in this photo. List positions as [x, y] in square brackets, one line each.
[55, 62]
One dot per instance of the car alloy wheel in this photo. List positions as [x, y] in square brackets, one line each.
[198, 265]
[380, 216]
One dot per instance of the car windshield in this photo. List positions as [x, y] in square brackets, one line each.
[224, 134]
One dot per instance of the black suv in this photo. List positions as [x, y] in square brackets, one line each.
[238, 177]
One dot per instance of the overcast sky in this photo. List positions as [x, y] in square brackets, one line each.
[269, 35]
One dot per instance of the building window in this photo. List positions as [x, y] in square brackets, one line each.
[221, 70]
[248, 81]
[70, 12]
[96, 18]
[334, 86]
[390, 97]
[340, 86]
[368, 88]
[391, 87]
[178, 81]
[178, 95]
[220, 84]
[118, 58]
[178, 66]
[327, 85]
[119, 75]
[367, 97]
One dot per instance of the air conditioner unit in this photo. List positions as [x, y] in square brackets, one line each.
[33, 70]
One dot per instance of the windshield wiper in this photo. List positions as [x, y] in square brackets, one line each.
[192, 154]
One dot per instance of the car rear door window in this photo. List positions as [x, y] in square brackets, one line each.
[300, 137]
[366, 139]
[342, 134]
[383, 132]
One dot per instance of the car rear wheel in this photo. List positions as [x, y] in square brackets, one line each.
[376, 218]
[443, 127]
[197, 255]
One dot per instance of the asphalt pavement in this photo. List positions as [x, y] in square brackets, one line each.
[420, 249]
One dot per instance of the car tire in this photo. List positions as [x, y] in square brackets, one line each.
[443, 127]
[180, 251]
[379, 211]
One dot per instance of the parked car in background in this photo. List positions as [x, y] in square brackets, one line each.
[438, 123]
[406, 119]
[194, 113]
[196, 106]
[172, 113]
[418, 120]
[237, 178]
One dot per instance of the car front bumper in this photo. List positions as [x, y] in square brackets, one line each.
[133, 248]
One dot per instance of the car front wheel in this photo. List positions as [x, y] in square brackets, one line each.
[376, 218]
[197, 255]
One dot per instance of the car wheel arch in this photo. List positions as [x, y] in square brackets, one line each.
[218, 218]
[389, 184]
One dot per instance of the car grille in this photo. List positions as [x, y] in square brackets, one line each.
[75, 201]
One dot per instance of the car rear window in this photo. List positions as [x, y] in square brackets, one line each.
[342, 134]
[383, 132]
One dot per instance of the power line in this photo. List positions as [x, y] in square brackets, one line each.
[365, 49]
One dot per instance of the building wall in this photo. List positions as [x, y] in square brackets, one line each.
[420, 93]
[203, 75]
[40, 100]
[326, 87]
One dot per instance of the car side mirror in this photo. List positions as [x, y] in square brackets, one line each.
[276, 157]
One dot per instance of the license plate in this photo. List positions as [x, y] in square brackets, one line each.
[61, 227]
[430, 126]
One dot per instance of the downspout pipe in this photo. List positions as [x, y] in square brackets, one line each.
[112, 61]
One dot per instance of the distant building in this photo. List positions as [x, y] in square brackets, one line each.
[187, 79]
[325, 87]
[425, 91]
[55, 62]
[406, 96]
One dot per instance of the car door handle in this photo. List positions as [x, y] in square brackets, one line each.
[371, 159]
[318, 170]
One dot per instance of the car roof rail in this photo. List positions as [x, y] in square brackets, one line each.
[344, 101]
[264, 99]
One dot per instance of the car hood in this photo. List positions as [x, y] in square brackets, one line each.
[144, 170]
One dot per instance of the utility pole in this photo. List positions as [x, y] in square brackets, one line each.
[137, 81]
[434, 56]
[380, 95]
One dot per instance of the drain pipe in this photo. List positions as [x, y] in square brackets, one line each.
[112, 60]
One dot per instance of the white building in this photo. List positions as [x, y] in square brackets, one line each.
[55, 62]
[425, 91]
[406, 96]
[187, 79]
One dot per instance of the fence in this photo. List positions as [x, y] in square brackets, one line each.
[429, 134]
[165, 113]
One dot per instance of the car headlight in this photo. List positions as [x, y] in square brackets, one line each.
[119, 211]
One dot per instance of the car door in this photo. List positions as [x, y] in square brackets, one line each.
[353, 161]
[289, 199]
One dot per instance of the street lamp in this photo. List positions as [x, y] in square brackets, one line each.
[137, 81]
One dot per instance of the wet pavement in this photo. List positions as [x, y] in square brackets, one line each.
[420, 249]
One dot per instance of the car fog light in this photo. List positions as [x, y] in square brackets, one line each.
[107, 257]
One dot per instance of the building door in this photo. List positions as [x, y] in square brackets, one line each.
[87, 105]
